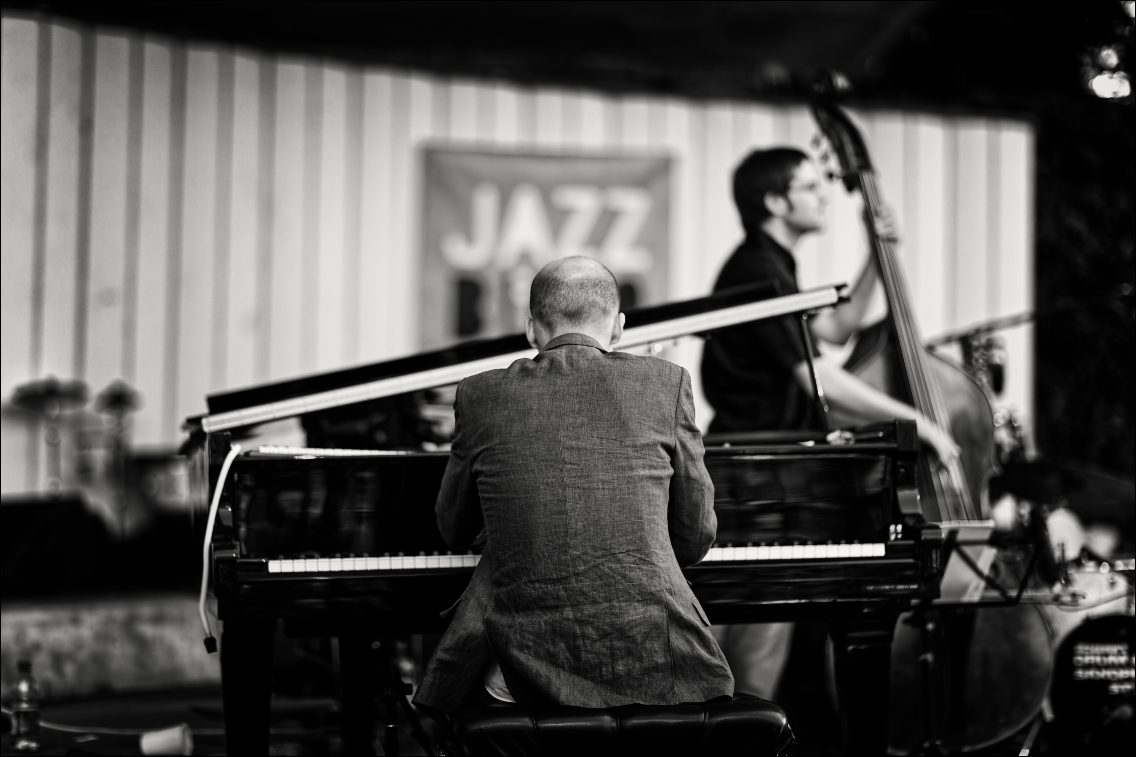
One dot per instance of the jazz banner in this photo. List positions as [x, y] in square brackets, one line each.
[491, 220]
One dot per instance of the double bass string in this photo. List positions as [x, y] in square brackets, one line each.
[927, 394]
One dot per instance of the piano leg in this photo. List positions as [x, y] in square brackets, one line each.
[862, 646]
[357, 664]
[246, 684]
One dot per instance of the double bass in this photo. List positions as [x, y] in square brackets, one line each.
[992, 665]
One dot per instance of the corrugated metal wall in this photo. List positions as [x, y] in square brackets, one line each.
[191, 218]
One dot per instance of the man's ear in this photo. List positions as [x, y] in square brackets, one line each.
[530, 332]
[776, 204]
[617, 330]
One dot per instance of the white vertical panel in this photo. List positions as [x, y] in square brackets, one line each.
[527, 119]
[419, 130]
[549, 132]
[285, 309]
[62, 198]
[506, 122]
[18, 83]
[352, 212]
[153, 248]
[413, 126]
[594, 122]
[1015, 273]
[634, 128]
[927, 234]
[376, 253]
[332, 203]
[685, 134]
[971, 224]
[196, 332]
[463, 120]
[106, 291]
[571, 113]
[18, 78]
[718, 220]
[244, 222]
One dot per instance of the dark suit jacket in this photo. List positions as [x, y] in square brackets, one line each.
[585, 469]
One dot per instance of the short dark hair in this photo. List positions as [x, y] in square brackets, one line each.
[572, 292]
[761, 173]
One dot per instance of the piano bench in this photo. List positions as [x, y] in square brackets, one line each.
[743, 725]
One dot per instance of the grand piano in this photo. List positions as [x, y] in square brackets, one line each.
[342, 542]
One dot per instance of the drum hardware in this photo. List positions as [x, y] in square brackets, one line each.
[50, 398]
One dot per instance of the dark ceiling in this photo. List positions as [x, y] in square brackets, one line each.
[935, 52]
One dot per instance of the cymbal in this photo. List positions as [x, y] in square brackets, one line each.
[1088, 490]
[50, 395]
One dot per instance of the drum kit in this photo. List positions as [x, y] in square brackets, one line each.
[1080, 521]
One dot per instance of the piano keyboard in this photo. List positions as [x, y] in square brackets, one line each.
[310, 452]
[369, 564]
[794, 552]
[429, 562]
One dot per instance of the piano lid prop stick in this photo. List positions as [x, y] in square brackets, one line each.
[632, 337]
[210, 642]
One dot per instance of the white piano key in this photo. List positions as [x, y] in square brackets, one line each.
[798, 552]
[879, 550]
[335, 564]
[370, 563]
[843, 550]
[751, 553]
[445, 561]
[287, 566]
[831, 551]
[476, 560]
[274, 566]
[712, 554]
[763, 553]
[398, 562]
[420, 561]
[730, 553]
[323, 565]
[857, 550]
[810, 552]
[433, 561]
[384, 563]
[311, 565]
[775, 551]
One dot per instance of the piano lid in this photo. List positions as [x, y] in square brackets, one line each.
[292, 397]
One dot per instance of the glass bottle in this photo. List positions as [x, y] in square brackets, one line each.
[25, 710]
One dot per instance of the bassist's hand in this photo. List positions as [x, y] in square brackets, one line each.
[886, 226]
[938, 440]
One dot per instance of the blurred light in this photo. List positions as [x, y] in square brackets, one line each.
[1111, 85]
[1130, 7]
[1108, 57]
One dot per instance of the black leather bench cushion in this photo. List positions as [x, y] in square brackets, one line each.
[744, 725]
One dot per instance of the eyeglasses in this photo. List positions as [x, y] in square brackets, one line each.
[812, 187]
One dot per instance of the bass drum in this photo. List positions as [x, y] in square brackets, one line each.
[1094, 683]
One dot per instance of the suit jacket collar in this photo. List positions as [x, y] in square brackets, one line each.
[573, 339]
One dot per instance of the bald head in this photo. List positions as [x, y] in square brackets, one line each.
[575, 295]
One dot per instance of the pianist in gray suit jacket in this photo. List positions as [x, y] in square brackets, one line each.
[584, 469]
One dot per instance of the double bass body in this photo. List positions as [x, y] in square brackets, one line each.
[987, 670]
